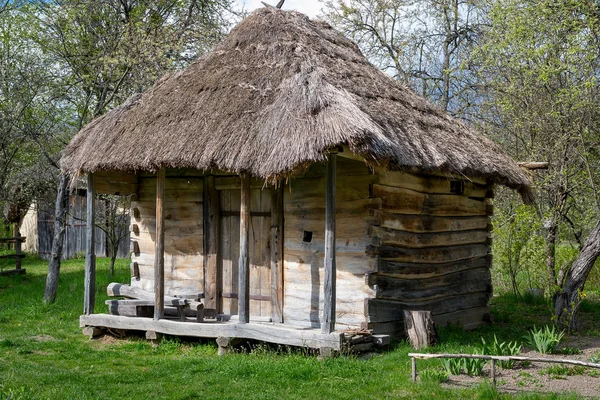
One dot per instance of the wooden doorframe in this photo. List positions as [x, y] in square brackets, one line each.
[277, 254]
[213, 279]
[211, 223]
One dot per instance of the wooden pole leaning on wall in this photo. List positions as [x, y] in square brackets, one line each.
[159, 248]
[244, 261]
[89, 297]
[328, 322]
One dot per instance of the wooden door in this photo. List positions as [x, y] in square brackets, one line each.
[259, 246]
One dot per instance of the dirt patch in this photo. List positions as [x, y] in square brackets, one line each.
[546, 377]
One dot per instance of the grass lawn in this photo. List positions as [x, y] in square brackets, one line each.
[43, 355]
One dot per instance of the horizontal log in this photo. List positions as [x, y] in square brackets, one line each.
[278, 333]
[231, 295]
[393, 237]
[315, 207]
[13, 239]
[118, 289]
[381, 310]
[534, 165]
[429, 356]
[426, 289]
[431, 184]
[406, 201]
[233, 183]
[20, 271]
[12, 256]
[428, 223]
[431, 255]
[345, 167]
[348, 188]
[469, 319]
[188, 245]
[412, 270]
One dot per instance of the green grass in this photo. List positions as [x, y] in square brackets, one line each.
[43, 355]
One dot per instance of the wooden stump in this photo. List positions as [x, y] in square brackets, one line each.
[420, 329]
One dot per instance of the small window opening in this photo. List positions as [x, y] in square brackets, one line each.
[457, 187]
[307, 236]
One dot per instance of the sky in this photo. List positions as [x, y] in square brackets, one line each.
[308, 7]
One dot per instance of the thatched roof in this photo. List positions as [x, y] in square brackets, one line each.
[271, 99]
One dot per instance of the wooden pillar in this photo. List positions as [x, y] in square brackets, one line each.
[277, 254]
[328, 323]
[17, 236]
[212, 276]
[90, 249]
[244, 262]
[159, 249]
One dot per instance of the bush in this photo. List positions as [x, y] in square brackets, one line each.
[544, 340]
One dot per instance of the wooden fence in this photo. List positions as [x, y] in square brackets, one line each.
[493, 360]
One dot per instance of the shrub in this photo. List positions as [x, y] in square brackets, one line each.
[544, 340]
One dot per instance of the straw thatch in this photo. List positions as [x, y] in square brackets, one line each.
[272, 98]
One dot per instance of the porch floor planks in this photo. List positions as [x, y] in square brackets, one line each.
[266, 332]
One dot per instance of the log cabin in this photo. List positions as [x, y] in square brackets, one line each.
[288, 191]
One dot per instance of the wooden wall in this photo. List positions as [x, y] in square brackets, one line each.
[432, 250]
[183, 234]
[304, 213]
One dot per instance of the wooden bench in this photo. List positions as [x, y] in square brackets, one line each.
[139, 301]
[18, 256]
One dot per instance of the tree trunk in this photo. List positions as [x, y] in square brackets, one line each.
[60, 213]
[113, 257]
[566, 302]
[551, 233]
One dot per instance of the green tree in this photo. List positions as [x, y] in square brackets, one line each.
[539, 69]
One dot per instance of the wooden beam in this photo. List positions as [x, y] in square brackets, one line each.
[212, 274]
[278, 333]
[531, 165]
[244, 261]
[17, 235]
[159, 253]
[90, 249]
[328, 323]
[277, 254]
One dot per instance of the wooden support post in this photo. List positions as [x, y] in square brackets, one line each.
[17, 235]
[90, 249]
[159, 252]
[244, 261]
[211, 244]
[494, 372]
[277, 255]
[328, 323]
[414, 369]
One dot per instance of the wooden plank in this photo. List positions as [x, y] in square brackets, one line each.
[277, 241]
[212, 274]
[234, 183]
[429, 255]
[278, 334]
[255, 255]
[466, 281]
[381, 310]
[90, 250]
[117, 183]
[244, 260]
[392, 237]
[329, 285]
[15, 256]
[412, 270]
[18, 248]
[406, 201]
[428, 223]
[431, 184]
[159, 253]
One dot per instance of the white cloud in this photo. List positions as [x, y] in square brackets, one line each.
[308, 7]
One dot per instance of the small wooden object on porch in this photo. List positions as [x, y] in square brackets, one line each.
[420, 328]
